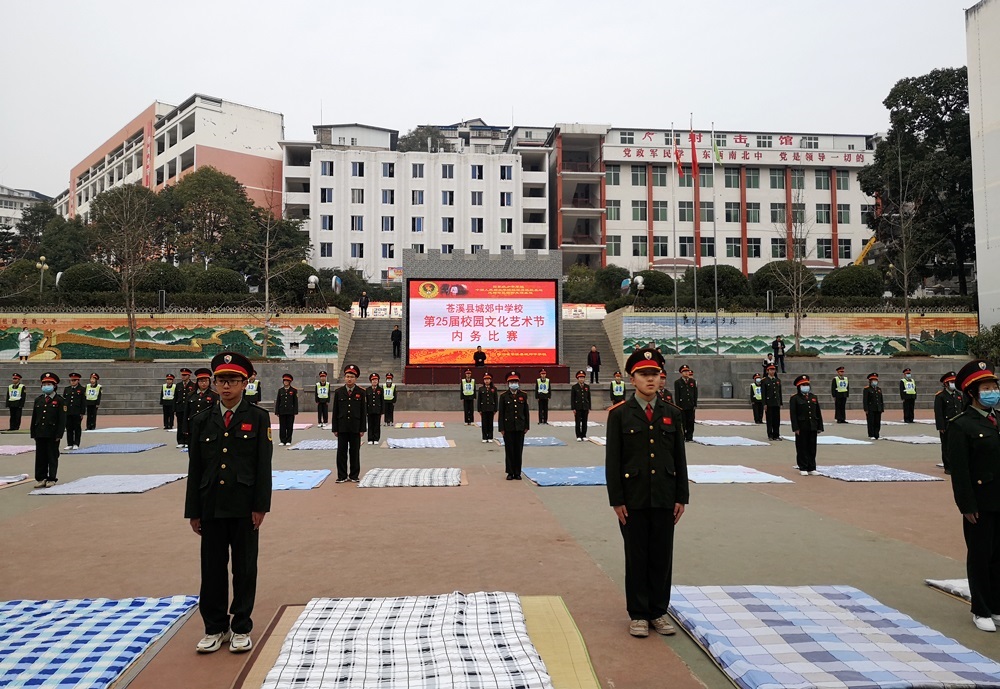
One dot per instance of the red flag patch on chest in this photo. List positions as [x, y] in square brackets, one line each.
[667, 420]
[246, 427]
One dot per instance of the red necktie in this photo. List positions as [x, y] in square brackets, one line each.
[228, 416]
[993, 419]
[649, 412]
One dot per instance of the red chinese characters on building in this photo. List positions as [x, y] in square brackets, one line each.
[785, 140]
[648, 136]
[740, 139]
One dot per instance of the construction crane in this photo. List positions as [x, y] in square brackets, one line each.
[864, 252]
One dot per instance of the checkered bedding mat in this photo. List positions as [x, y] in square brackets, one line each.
[411, 478]
[315, 445]
[80, 643]
[570, 424]
[433, 442]
[914, 439]
[872, 473]
[857, 422]
[722, 473]
[955, 587]
[601, 440]
[15, 478]
[457, 640]
[122, 429]
[298, 480]
[723, 422]
[115, 449]
[729, 441]
[537, 441]
[11, 450]
[295, 426]
[771, 637]
[420, 424]
[566, 476]
[832, 440]
[110, 483]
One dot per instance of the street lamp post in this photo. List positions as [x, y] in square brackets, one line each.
[42, 267]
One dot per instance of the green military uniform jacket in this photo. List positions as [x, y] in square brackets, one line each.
[974, 458]
[48, 419]
[349, 411]
[513, 412]
[645, 463]
[805, 412]
[229, 468]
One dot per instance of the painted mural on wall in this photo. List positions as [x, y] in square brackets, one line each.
[169, 336]
[837, 334]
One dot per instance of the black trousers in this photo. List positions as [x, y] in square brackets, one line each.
[982, 562]
[286, 424]
[944, 453]
[805, 450]
[595, 375]
[840, 408]
[773, 417]
[348, 448]
[513, 449]
[15, 418]
[91, 417]
[580, 417]
[46, 459]
[649, 554]
[874, 423]
[397, 350]
[780, 362]
[219, 537]
[374, 427]
[387, 410]
[688, 424]
[543, 410]
[758, 411]
[182, 426]
[467, 407]
[909, 402]
[168, 417]
[322, 412]
[74, 429]
[486, 418]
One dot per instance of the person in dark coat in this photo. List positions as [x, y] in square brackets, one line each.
[948, 404]
[807, 424]
[254, 391]
[186, 390]
[228, 496]
[486, 404]
[374, 404]
[349, 423]
[647, 479]
[48, 423]
[363, 302]
[663, 391]
[686, 397]
[617, 389]
[778, 347]
[840, 389]
[389, 398]
[467, 393]
[76, 406]
[323, 391]
[286, 406]
[757, 399]
[16, 393]
[513, 422]
[773, 402]
[594, 365]
[168, 397]
[580, 403]
[974, 460]
[92, 396]
[873, 405]
[396, 337]
[479, 357]
[908, 393]
[204, 396]
[543, 393]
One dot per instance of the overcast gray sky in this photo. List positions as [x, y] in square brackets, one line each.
[78, 71]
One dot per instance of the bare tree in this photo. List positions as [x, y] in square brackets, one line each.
[793, 278]
[125, 219]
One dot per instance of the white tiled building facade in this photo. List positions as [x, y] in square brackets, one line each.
[13, 203]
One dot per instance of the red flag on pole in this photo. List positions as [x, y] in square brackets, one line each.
[677, 156]
[694, 158]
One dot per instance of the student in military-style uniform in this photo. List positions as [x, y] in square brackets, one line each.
[389, 400]
[543, 393]
[254, 391]
[757, 399]
[286, 406]
[513, 422]
[349, 424]
[92, 395]
[486, 404]
[186, 391]
[974, 459]
[840, 389]
[374, 402]
[168, 397]
[467, 393]
[228, 496]
[947, 405]
[204, 396]
[646, 472]
[873, 405]
[663, 392]
[580, 404]
[15, 401]
[322, 401]
[908, 393]
[48, 423]
[76, 406]
[807, 424]
[773, 401]
[617, 389]
[686, 396]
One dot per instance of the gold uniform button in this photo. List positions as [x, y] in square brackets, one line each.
[650, 428]
[222, 466]
[626, 475]
[225, 449]
[980, 435]
[226, 434]
[222, 483]
[206, 440]
[652, 471]
[245, 437]
[979, 482]
[652, 454]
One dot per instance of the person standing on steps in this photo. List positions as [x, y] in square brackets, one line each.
[363, 302]
[778, 347]
[467, 393]
[486, 404]
[594, 365]
[479, 357]
[75, 400]
[807, 424]
[908, 393]
[322, 401]
[15, 401]
[396, 337]
[948, 404]
[773, 401]
[768, 361]
[580, 403]
[543, 392]
[23, 345]
[873, 405]
[513, 422]
[389, 400]
[757, 399]
[840, 389]
[92, 395]
[374, 405]
[168, 395]
[349, 423]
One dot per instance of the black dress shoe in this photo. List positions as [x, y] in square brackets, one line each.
[518, 477]
[510, 477]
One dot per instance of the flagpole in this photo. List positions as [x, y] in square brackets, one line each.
[715, 240]
[697, 248]
[673, 216]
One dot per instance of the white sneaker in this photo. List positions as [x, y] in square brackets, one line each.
[804, 473]
[211, 643]
[179, 445]
[67, 448]
[41, 484]
[240, 643]
[814, 473]
[985, 624]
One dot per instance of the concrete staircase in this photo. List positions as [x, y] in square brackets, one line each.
[370, 349]
[578, 336]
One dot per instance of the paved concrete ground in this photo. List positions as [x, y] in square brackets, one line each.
[492, 534]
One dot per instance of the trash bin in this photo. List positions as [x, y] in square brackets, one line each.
[727, 391]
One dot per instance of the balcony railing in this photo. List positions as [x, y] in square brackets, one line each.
[574, 166]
